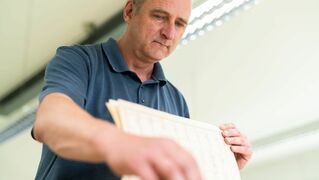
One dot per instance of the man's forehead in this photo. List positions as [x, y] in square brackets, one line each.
[162, 11]
[180, 8]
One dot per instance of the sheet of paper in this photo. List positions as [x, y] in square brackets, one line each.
[204, 141]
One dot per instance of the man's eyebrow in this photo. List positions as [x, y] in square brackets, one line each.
[161, 11]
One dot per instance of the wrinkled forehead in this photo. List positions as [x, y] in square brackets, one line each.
[178, 8]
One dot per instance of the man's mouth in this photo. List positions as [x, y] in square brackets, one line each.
[163, 44]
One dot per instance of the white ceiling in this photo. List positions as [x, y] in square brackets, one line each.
[31, 30]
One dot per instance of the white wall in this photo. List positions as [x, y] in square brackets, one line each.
[19, 157]
[260, 71]
[301, 166]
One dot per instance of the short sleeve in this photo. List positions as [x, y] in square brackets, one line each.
[67, 73]
[185, 109]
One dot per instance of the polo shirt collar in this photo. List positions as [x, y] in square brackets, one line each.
[114, 56]
[119, 65]
[158, 74]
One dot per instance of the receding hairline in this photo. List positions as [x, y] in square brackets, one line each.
[137, 4]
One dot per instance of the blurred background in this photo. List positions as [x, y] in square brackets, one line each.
[253, 63]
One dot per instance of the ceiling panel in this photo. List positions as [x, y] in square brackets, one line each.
[13, 25]
[30, 32]
[56, 23]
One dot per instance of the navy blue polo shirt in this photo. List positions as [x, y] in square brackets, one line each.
[91, 75]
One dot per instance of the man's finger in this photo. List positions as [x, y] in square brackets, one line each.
[243, 150]
[146, 171]
[239, 141]
[188, 165]
[227, 126]
[180, 161]
[231, 133]
[166, 168]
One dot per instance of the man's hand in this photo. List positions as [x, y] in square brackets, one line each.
[239, 144]
[149, 158]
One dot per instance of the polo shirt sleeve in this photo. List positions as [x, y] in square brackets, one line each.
[67, 73]
[185, 109]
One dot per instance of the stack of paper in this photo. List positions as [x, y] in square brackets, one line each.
[204, 141]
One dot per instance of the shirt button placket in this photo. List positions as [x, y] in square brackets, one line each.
[142, 100]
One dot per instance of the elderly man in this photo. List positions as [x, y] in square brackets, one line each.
[80, 141]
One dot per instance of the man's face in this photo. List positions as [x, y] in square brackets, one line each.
[158, 26]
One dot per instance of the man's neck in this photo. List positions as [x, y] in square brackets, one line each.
[142, 68]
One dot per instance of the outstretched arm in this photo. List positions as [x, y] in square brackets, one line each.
[74, 134]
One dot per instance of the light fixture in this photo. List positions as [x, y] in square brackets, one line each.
[211, 14]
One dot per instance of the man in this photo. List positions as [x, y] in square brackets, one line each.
[80, 141]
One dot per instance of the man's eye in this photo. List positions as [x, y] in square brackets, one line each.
[178, 24]
[159, 17]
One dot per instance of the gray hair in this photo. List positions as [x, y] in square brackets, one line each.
[137, 5]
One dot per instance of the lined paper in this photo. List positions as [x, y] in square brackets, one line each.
[204, 141]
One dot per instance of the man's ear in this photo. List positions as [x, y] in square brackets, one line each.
[128, 11]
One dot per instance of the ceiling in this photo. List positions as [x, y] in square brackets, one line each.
[31, 30]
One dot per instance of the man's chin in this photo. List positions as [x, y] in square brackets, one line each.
[159, 57]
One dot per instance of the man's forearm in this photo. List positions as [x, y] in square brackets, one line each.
[68, 130]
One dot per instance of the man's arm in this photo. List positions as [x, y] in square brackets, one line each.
[74, 134]
[67, 129]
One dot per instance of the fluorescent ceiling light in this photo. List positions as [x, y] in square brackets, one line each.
[211, 14]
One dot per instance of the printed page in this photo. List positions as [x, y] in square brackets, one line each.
[204, 141]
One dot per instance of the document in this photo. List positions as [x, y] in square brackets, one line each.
[203, 140]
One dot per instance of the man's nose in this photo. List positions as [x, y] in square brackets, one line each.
[169, 31]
